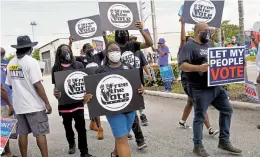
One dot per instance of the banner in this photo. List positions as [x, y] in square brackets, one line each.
[226, 65]
[7, 126]
[203, 11]
[71, 84]
[167, 73]
[115, 92]
[98, 45]
[250, 91]
[84, 28]
[118, 15]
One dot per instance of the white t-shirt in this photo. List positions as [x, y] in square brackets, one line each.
[258, 60]
[21, 75]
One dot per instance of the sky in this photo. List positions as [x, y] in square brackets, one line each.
[52, 16]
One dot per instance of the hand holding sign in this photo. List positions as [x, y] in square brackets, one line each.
[203, 67]
[139, 25]
[141, 91]
[87, 98]
[56, 93]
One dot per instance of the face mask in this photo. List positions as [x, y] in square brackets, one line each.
[89, 52]
[114, 56]
[65, 57]
[204, 37]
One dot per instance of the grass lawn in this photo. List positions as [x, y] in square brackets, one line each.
[236, 91]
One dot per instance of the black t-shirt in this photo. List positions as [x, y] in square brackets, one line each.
[132, 55]
[106, 68]
[196, 54]
[91, 61]
[75, 65]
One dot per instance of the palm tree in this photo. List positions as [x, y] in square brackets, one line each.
[241, 22]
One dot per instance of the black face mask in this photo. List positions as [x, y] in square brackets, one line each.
[204, 37]
[65, 57]
[89, 52]
[122, 37]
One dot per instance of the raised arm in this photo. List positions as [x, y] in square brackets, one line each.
[183, 35]
[148, 41]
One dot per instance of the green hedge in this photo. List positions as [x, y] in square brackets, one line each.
[159, 81]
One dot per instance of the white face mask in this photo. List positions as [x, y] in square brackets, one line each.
[114, 56]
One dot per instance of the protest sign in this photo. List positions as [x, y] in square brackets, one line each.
[71, 84]
[181, 10]
[118, 15]
[7, 126]
[203, 11]
[84, 28]
[250, 91]
[226, 65]
[167, 73]
[115, 92]
[98, 45]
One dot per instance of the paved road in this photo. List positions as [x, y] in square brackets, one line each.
[163, 135]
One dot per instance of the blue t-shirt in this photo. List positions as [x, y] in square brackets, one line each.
[7, 88]
[163, 60]
[4, 64]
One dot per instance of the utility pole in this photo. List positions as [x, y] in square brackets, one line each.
[219, 37]
[33, 23]
[155, 38]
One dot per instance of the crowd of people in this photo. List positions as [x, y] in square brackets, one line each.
[21, 79]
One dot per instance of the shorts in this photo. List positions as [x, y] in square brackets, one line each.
[121, 124]
[36, 123]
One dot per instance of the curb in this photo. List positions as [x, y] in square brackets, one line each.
[235, 104]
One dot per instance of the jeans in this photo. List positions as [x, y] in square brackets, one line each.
[167, 84]
[78, 117]
[202, 98]
[139, 137]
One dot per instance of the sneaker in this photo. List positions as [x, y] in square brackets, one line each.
[93, 126]
[129, 137]
[200, 151]
[141, 145]
[144, 120]
[213, 132]
[184, 125]
[112, 155]
[72, 149]
[100, 133]
[229, 148]
[86, 155]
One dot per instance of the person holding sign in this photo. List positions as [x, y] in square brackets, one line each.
[256, 42]
[7, 109]
[132, 55]
[64, 61]
[90, 59]
[120, 124]
[163, 52]
[188, 107]
[193, 61]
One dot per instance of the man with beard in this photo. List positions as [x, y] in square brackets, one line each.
[193, 61]
[132, 55]
[64, 61]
